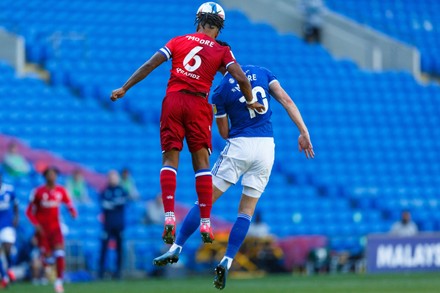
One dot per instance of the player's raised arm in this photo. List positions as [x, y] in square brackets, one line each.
[304, 142]
[142, 72]
[245, 87]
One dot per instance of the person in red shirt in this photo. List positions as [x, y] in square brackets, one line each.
[43, 212]
[186, 112]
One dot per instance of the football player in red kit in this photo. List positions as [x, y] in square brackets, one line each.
[186, 112]
[43, 212]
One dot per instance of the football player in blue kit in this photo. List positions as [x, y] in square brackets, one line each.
[249, 153]
[8, 223]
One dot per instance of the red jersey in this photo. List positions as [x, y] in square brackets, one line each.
[196, 59]
[44, 206]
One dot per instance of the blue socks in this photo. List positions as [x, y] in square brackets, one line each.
[189, 225]
[238, 234]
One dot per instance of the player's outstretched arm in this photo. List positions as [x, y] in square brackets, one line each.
[304, 142]
[245, 87]
[142, 72]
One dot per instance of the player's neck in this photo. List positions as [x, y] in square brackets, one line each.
[209, 32]
[50, 185]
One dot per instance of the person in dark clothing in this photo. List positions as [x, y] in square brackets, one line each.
[113, 200]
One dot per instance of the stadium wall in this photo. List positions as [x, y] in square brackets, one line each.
[12, 50]
[343, 37]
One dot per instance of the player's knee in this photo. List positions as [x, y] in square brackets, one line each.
[253, 193]
[200, 159]
[220, 186]
[171, 158]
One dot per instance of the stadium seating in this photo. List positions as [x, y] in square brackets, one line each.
[376, 136]
[413, 22]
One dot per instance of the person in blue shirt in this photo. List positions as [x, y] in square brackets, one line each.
[113, 200]
[8, 223]
[249, 153]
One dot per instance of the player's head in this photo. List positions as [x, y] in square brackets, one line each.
[113, 178]
[125, 173]
[51, 174]
[210, 15]
[406, 216]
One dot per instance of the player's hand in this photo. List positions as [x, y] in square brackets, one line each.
[74, 214]
[257, 107]
[304, 144]
[117, 94]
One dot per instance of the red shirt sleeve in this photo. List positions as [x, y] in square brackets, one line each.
[168, 49]
[30, 211]
[228, 58]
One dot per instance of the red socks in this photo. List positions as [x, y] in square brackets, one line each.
[204, 192]
[203, 189]
[59, 257]
[168, 186]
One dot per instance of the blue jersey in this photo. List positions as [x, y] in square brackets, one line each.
[229, 101]
[113, 200]
[7, 203]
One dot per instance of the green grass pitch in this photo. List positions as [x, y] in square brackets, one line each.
[403, 283]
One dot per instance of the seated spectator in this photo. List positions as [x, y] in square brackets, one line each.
[405, 227]
[127, 182]
[154, 211]
[77, 187]
[15, 164]
[258, 228]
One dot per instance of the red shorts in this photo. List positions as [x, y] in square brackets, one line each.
[185, 116]
[49, 240]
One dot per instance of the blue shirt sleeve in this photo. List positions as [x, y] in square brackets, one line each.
[270, 76]
[218, 102]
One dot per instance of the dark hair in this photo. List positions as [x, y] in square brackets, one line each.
[223, 43]
[211, 19]
[51, 168]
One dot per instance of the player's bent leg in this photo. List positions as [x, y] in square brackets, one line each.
[168, 174]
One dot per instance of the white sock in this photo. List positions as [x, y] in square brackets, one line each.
[174, 247]
[205, 221]
[229, 260]
[170, 215]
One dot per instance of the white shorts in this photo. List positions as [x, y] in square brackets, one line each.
[7, 235]
[251, 157]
